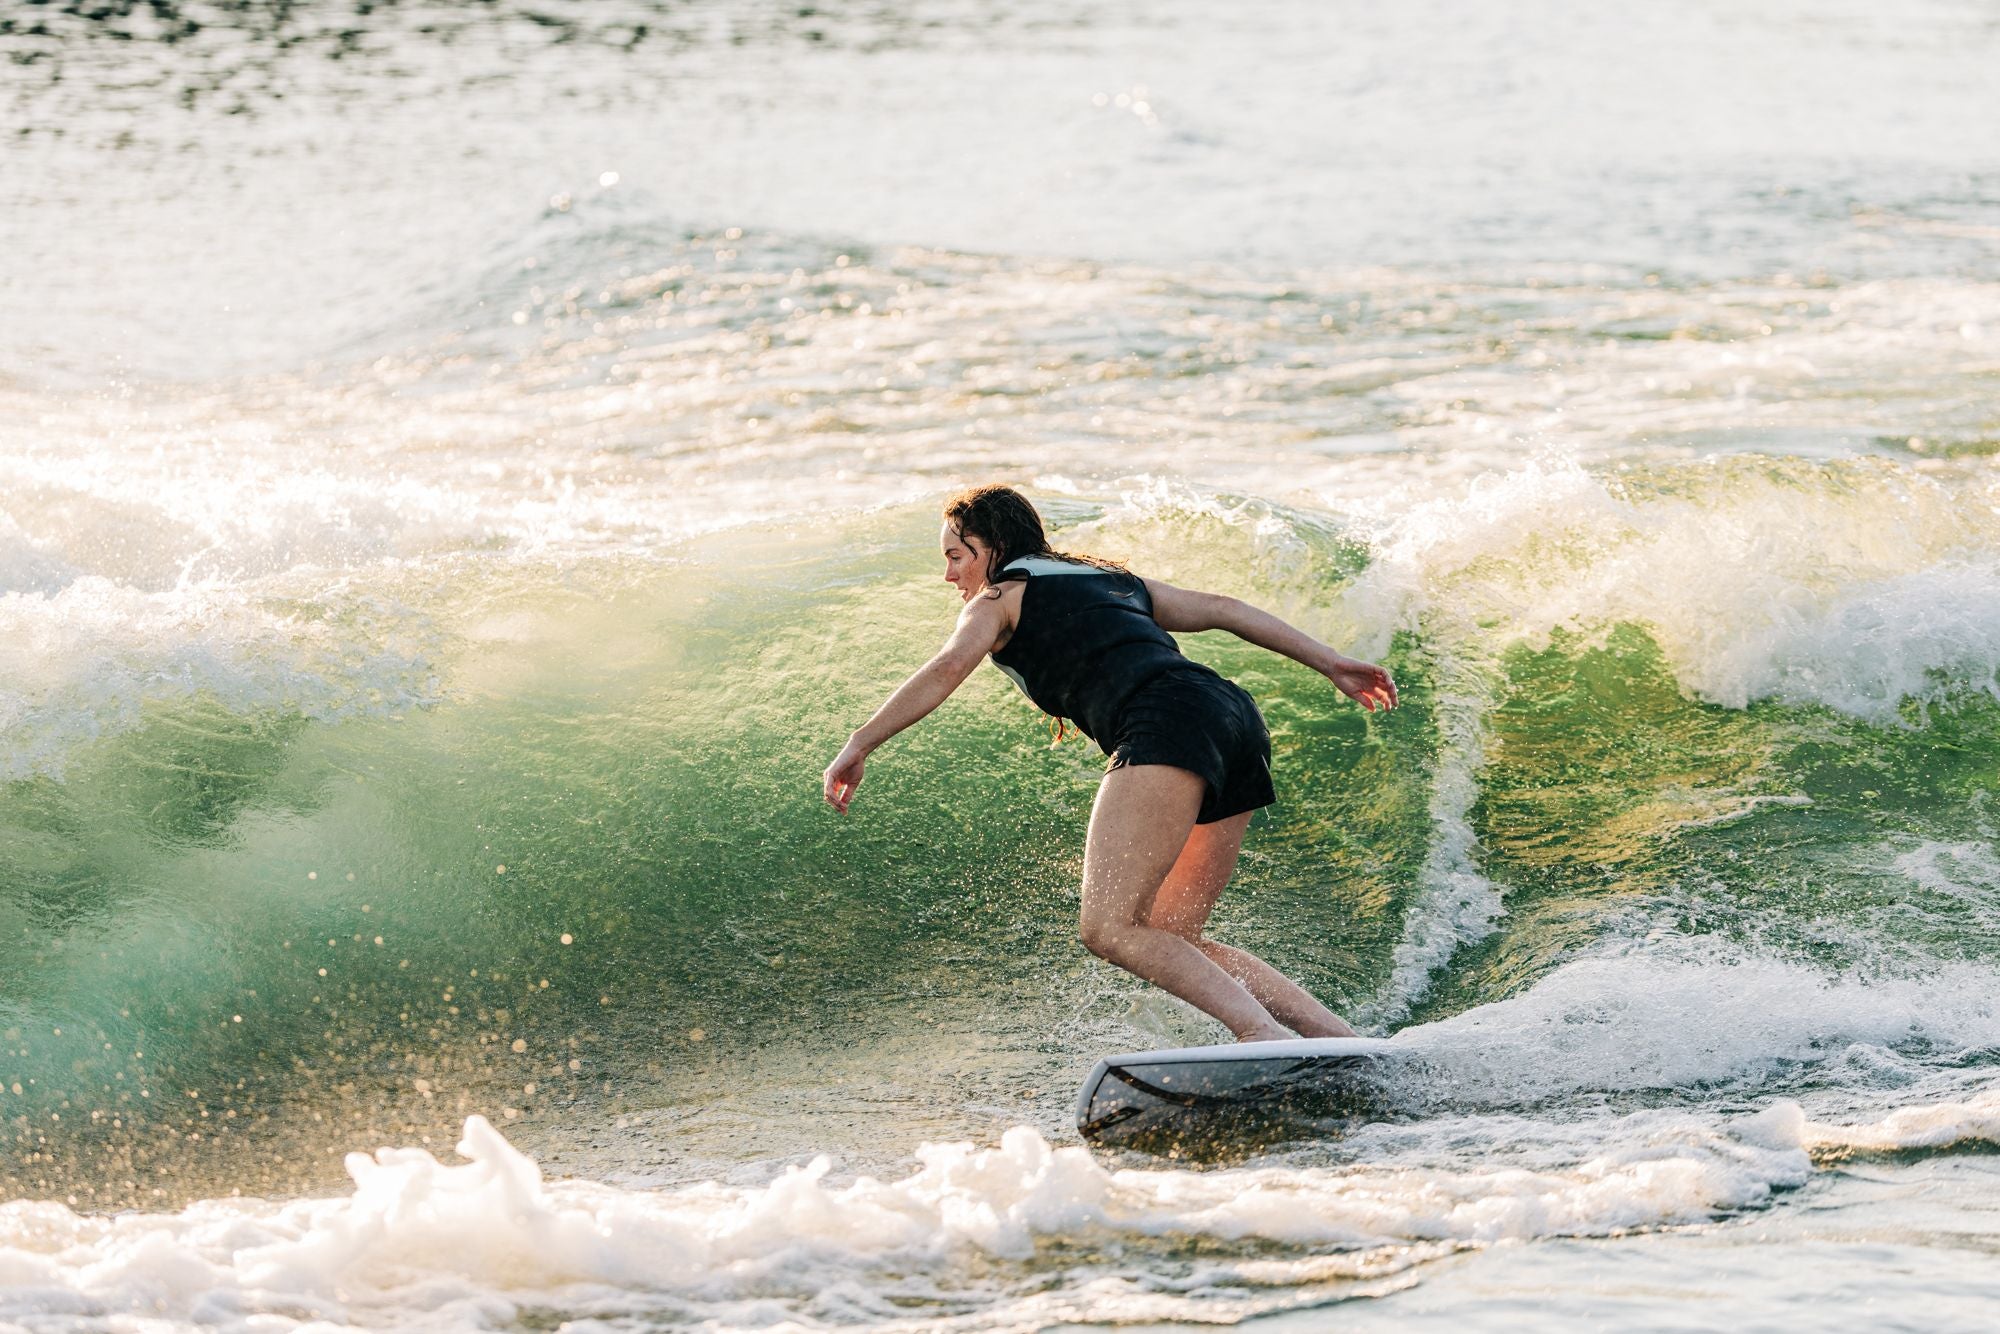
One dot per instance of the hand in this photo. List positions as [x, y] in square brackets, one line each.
[1366, 682]
[843, 776]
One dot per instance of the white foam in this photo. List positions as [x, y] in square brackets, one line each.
[1931, 1126]
[86, 661]
[1854, 585]
[1659, 1017]
[1969, 871]
[1851, 586]
[422, 1244]
[1743, 807]
[1867, 647]
[1455, 904]
[25, 564]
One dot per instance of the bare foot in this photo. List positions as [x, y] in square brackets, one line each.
[1272, 1034]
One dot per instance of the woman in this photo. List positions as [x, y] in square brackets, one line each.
[1087, 641]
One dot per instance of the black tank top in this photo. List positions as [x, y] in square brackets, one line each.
[1086, 640]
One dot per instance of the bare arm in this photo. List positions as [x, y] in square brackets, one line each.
[980, 625]
[1187, 609]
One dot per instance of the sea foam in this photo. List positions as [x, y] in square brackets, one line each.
[473, 1244]
[1852, 585]
[1695, 1016]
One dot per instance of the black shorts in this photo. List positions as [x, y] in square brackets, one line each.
[1196, 720]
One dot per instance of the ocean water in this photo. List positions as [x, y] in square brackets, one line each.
[465, 468]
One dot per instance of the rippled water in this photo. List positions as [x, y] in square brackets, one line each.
[464, 468]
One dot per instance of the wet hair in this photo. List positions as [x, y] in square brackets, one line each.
[1007, 523]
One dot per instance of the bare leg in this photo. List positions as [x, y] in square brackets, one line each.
[1138, 827]
[1291, 1004]
[1186, 898]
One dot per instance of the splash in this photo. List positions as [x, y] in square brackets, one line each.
[481, 1242]
[1696, 1015]
[1975, 1120]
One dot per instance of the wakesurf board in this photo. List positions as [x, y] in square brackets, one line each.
[1193, 1101]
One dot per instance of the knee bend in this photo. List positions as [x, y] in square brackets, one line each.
[1104, 939]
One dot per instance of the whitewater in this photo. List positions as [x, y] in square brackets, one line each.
[464, 471]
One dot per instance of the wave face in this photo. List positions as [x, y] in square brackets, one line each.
[436, 563]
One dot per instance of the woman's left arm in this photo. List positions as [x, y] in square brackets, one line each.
[1187, 609]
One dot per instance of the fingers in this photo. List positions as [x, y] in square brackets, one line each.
[1379, 693]
[839, 791]
[1367, 685]
[1383, 691]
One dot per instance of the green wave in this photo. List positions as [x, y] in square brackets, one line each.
[600, 870]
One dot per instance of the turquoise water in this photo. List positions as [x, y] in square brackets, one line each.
[493, 463]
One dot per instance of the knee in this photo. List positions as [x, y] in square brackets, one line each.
[1101, 938]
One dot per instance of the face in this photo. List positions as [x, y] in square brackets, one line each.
[965, 561]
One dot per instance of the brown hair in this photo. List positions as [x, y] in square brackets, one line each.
[1007, 523]
[1002, 518]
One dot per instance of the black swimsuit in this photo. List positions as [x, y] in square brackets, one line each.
[1088, 649]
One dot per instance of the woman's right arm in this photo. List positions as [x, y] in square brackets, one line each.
[980, 625]
[1187, 609]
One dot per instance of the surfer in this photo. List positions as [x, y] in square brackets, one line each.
[1087, 641]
